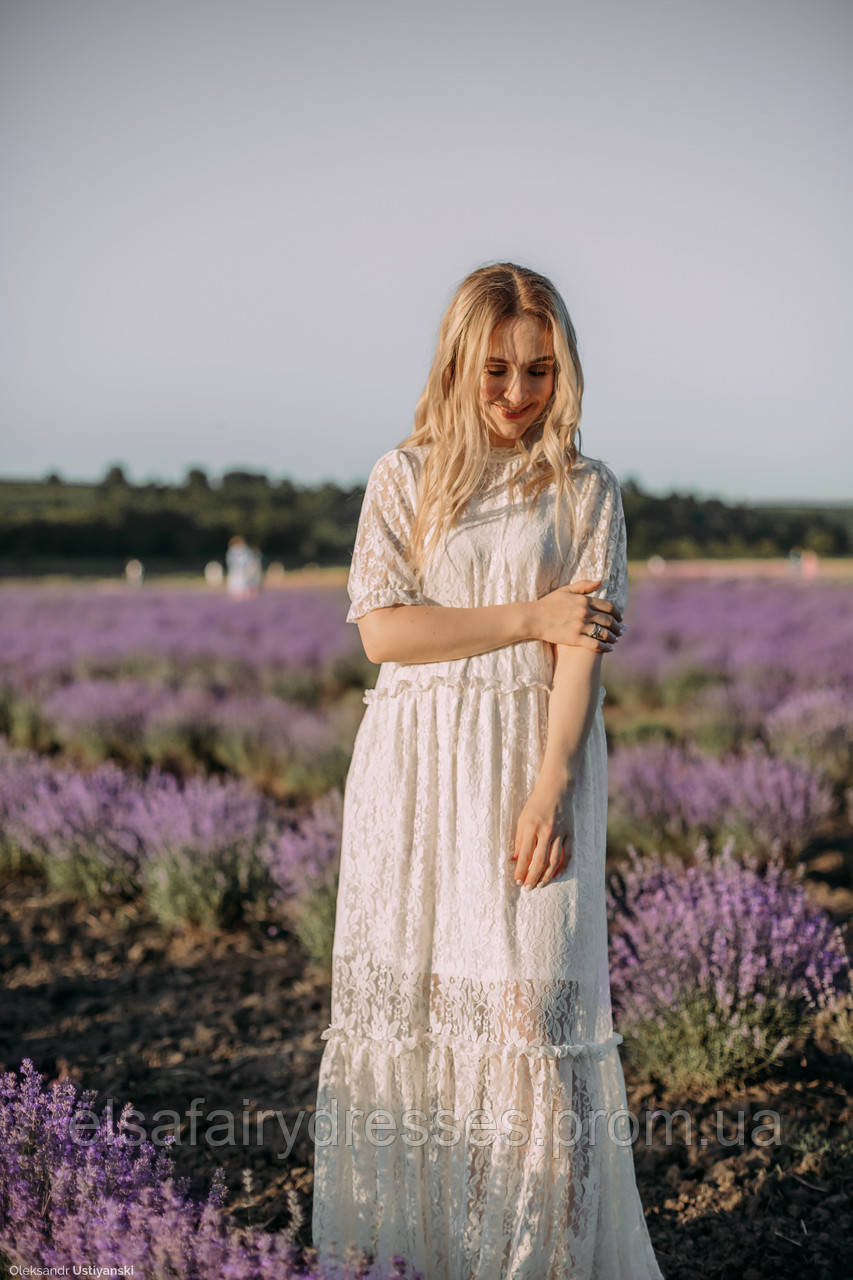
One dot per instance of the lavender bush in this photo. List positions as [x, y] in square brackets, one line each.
[686, 632]
[315, 923]
[663, 796]
[816, 725]
[94, 719]
[24, 778]
[78, 1191]
[303, 863]
[294, 750]
[73, 828]
[303, 857]
[836, 1022]
[729, 714]
[716, 966]
[202, 843]
[207, 851]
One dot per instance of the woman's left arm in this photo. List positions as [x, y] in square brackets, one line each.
[543, 839]
[544, 831]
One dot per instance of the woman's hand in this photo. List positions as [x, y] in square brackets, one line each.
[543, 836]
[569, 616]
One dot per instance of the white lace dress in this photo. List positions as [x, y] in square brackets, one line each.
[471, 1042]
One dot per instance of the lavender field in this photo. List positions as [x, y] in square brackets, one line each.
[171, 771]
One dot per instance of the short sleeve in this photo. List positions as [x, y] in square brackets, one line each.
[601, 540]
[379, 573]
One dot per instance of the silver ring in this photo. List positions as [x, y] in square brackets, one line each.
[597, 631]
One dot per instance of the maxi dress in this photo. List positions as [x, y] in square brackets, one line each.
[470, 1088]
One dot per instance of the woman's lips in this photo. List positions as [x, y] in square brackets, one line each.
[517, 413]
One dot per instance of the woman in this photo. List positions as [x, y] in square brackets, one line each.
[471, 1073]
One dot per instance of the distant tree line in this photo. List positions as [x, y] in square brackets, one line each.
[61, 524]
[681, 526]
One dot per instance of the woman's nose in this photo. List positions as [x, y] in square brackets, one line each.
[515, 391]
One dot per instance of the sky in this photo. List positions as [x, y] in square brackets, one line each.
[229, 228]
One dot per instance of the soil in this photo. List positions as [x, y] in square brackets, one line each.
[99, 992]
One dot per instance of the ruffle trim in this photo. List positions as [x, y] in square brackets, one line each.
[380, 599]
[482, 1046]
[455, 682]
[463, 682]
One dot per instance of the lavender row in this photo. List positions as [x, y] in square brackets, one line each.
[266, 738]
[781, 631]
[666, 795]
[793, 719]
[296, 751]
[76, 1190]
[219, 842]
[208, 851]
[50, 635]
[717, 965]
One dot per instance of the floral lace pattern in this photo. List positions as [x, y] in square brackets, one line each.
[458, 998]
[502, 1017]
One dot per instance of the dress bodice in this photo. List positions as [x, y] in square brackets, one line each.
[503, 549]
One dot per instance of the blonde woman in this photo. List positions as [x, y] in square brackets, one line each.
[469, 1083]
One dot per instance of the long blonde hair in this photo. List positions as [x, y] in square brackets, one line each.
[449, 415]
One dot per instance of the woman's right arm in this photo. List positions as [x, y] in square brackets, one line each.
[435, 633]
[396, 622]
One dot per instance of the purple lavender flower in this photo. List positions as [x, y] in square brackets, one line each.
[747, 952]
[76, 1189]
[305, 856]
[663, 793]
[205, 850]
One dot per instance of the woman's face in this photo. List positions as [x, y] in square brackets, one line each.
[518, 377]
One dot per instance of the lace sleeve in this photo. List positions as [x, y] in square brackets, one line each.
[601, 547]
[379, 573]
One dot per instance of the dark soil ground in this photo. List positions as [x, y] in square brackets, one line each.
[99, 992]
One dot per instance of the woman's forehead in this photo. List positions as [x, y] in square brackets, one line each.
[521, 338]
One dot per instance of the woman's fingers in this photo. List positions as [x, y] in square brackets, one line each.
[601, 645]
[608, 622]
[538, 858]
[525, 842]
[556, 859]
[537, 862]
[600, 605]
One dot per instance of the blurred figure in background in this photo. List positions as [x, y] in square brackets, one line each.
[214, 574]
[238, 561]
[254, 571]
[134, 573]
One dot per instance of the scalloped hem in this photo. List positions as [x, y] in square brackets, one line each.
[508, 1050]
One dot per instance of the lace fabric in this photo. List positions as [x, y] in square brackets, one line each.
[467, 1013]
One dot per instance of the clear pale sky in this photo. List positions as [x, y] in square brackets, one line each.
[230, 228]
